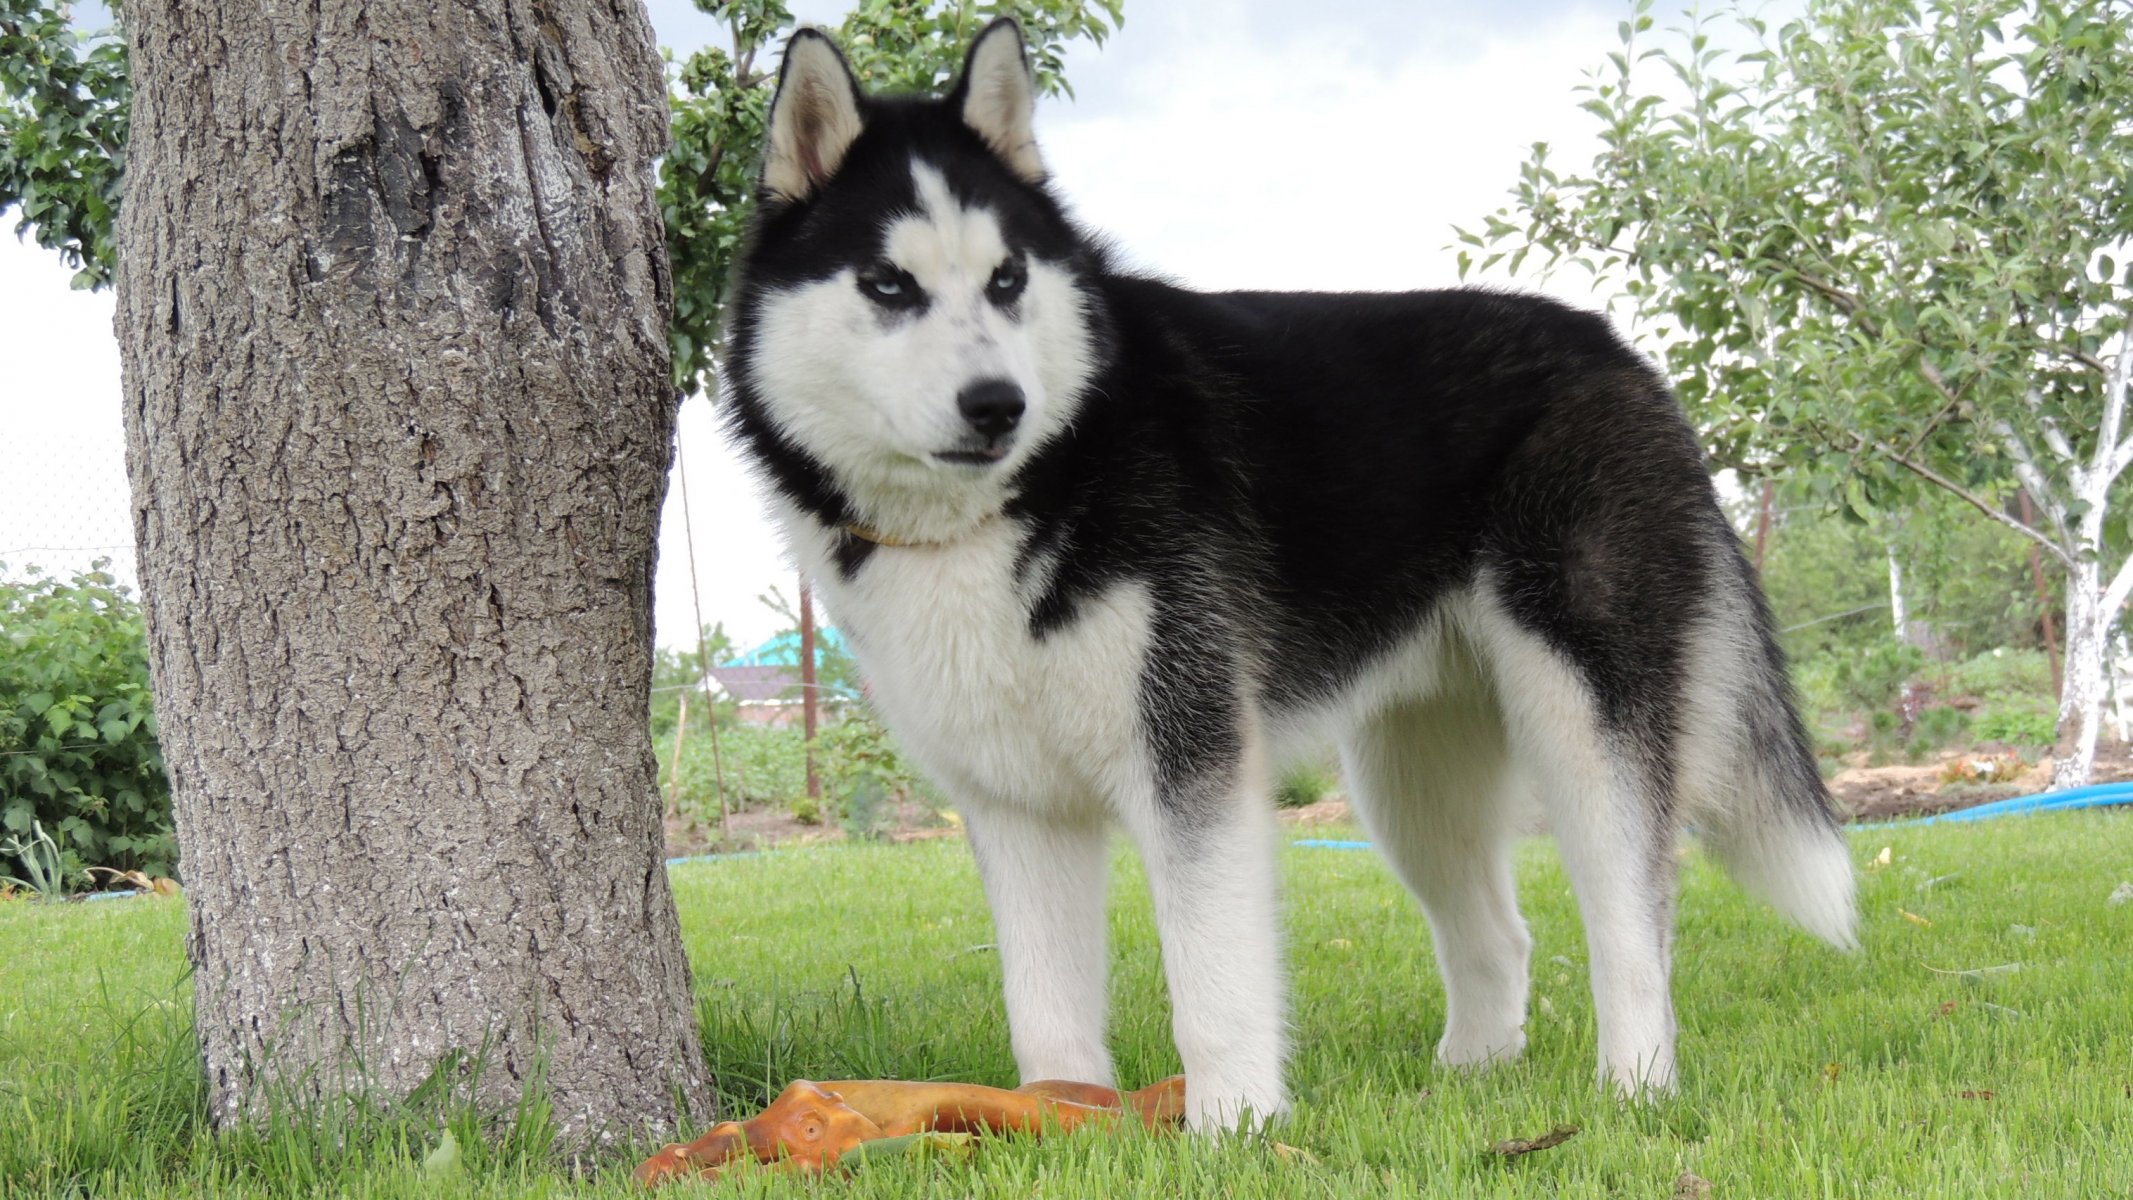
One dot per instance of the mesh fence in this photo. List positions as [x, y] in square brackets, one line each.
[63, 499]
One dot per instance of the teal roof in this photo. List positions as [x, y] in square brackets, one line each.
[784, 649]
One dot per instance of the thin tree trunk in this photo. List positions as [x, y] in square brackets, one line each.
[1764, 509]
[393, 303]
[2081, 701]
[2115, 672]
[1899, 616]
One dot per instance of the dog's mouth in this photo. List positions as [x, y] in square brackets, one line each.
[983, 455]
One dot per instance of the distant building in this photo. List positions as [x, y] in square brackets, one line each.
[764, 683]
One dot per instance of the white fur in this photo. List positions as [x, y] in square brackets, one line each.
[1612, 850]
[1431, 780]
[875, 398]
[1799, 866]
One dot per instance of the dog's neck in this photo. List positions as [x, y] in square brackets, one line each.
[896, 514]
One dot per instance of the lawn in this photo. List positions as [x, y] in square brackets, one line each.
[1982, 1045]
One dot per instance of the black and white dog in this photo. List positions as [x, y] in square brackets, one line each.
[1104, 547]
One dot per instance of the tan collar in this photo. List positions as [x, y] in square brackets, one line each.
[867, 533]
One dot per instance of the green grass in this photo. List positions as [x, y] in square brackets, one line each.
[1805, 1073]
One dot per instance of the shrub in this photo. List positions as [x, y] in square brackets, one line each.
[2003, 670]
[78, 750]
[1935, 728]
[1874, 679]
[766, 767]
[1307, 782]
[762, 768]
[2017, 719]
[856, 755]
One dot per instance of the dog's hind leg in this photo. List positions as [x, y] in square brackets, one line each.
[1046, 881]
[1612, 820]
[1429, 780]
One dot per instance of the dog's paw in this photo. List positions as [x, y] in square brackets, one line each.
[1637, 1080]
[1475, 1050]
[1218, 1110]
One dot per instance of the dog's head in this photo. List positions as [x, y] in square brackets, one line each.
[913, 316]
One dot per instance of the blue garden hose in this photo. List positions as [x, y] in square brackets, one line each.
[2099, 795]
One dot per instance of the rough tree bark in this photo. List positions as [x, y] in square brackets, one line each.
[392, 305]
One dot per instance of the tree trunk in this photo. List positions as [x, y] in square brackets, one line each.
[2088, 629]
[1899, 612]
[392, 303]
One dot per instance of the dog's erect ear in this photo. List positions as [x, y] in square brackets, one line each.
[813, 120]
[998, 97]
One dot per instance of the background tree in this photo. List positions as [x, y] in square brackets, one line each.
[1883, 240]
[63, 106]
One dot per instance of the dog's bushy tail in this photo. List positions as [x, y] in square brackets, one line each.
[1750, 782]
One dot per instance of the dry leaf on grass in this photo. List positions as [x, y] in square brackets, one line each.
[1295, 1155]
[1513, 1147]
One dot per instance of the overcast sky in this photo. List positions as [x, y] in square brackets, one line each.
[1231, 143]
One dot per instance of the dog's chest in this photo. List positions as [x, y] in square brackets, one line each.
[995, 715]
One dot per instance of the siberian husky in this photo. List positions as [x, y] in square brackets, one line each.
[1104, 546]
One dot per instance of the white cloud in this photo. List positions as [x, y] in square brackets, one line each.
[1237, 164]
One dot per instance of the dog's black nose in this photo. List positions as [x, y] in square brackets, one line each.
[992, 407]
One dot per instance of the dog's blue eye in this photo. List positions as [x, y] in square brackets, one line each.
[890, 287]
[1007, 280]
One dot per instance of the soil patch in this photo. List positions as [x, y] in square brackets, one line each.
[1893, 792]
[767, 829]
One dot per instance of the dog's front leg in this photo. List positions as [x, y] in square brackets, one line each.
[1209, 849]
[1046, 880]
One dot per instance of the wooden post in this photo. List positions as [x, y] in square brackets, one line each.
[807, 685]
[681, 736]
[1762, 523]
